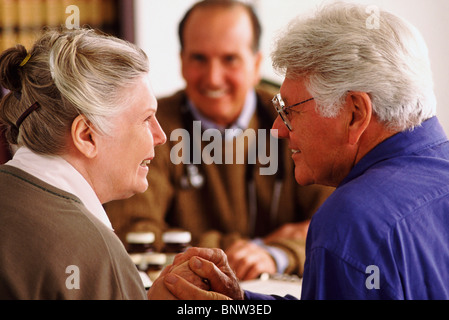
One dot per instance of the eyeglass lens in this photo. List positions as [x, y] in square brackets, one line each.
[279, 106]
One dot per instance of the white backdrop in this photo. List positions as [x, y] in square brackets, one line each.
[157, 22]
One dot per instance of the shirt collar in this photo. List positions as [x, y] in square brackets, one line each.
[57, 172]
[429, 133]
[242, 121]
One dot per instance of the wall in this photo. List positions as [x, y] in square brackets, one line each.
[157, 21]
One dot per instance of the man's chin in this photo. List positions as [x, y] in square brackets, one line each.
[301, 179]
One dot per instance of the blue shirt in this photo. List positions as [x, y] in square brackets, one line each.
[384, 232]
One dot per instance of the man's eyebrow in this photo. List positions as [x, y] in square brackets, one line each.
[196, 54]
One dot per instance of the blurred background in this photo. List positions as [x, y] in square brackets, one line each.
[152, 24]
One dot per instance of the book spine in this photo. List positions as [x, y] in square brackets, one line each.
[21, 21]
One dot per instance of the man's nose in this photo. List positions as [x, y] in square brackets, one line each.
[279, 129]
[215, 74]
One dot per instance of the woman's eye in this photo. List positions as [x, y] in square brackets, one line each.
[149, 118]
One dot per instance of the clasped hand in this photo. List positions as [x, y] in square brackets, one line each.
[197, 274]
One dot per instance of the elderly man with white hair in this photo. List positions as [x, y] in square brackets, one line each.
[359, 113]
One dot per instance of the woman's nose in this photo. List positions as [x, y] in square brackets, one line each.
[159, 135]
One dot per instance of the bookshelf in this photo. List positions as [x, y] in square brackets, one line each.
[21, 20]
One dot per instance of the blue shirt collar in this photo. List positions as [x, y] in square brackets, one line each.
[429, 133]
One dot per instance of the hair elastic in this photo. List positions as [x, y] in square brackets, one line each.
[27, 112]
[25, 60]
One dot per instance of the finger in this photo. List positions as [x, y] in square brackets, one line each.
[244, 266]
[184, 290]
[166, 270]
[235, 247]
[252, 273]
[207, 270]
[184, 271]
[216, 256]
[248, 257]
[254, 263]
[222, 280]
[239, 252]
[159, 291]
[242, 271]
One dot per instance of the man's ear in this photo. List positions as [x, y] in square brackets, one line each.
[258, 58]
[83, 136]
[360, 113]
[182, 58]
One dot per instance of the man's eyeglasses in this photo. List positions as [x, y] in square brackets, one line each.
[280, 107]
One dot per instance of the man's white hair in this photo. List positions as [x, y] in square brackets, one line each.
[336, 51]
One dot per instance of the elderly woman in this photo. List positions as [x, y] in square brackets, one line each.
[82, 112]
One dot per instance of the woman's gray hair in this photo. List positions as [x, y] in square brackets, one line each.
[92, 70]
[67, 73]
[345, 48]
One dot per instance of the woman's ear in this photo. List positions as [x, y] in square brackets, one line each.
[84, 137]
[360, 109]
